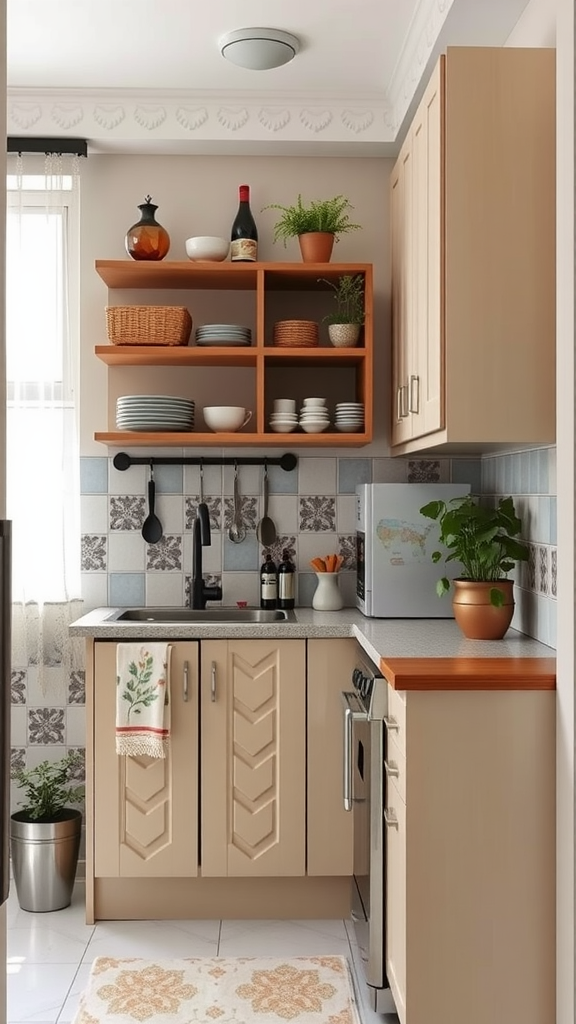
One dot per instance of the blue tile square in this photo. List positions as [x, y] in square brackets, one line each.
[169, 479]
[533, 481]
[307, 584]
[281, 481]
[524, 473]
[352, 472]
[244, 556]
[553, 520]
[93, 475]
[542, 463]
[127, 589]
[467, 471]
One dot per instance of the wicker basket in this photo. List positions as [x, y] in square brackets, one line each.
[296, 334]
[148, 325]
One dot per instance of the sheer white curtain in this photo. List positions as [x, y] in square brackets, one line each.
[42, 463]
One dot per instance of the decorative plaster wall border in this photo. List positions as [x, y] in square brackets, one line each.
[425, 29]
[132, 116]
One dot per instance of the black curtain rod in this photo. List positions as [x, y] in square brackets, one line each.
[48, 146]
[123, 461]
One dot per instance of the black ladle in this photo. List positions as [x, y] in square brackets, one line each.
[151, 527]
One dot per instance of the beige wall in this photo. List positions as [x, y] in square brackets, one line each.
[198, 195]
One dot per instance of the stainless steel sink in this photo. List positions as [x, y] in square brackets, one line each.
[232, 615]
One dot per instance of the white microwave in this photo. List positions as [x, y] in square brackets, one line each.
[395, 575]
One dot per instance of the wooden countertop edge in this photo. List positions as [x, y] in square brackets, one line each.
[470, 673]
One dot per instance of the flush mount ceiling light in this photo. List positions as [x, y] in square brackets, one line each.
[259, 49]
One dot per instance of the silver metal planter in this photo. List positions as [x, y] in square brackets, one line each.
[44, 860]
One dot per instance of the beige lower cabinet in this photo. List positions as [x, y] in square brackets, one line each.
[470, 866]
[146, 809]
[329, 831]
[253, 758]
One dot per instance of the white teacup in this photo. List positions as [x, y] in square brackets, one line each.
[222, 418]
[284, 405]
[314, 402]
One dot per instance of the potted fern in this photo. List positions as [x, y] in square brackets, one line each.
[484, 540]
[316, 225]
[45, 834]
[345, 321]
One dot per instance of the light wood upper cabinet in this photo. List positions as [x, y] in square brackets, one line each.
[470, 856]
[146, 809]
[329, 833]
[473, 255]
[253, 776]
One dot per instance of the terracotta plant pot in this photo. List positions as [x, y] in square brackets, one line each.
[344, 335]
[477, 617]
[316, 246]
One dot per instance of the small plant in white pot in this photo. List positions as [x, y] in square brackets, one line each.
[483, 539]
[345, 321]
[45, 834]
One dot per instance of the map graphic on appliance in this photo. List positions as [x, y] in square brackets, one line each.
[405, 542]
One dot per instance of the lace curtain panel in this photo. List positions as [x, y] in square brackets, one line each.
[42, 458]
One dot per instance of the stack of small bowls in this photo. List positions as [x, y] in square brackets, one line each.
[284, 419]
[314, 415]
[349, 417]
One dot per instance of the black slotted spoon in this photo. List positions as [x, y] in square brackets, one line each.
[152, 527]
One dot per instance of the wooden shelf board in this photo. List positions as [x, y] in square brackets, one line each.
[176, 355]
[327, 356]
[133, 439]
[225, 275]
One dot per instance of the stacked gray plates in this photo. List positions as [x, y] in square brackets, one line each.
[349, 417]
[223, 334]
[154, 412]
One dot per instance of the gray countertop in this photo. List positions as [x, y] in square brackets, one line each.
[380, 638]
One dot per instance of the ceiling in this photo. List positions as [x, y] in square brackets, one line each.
[110, 54]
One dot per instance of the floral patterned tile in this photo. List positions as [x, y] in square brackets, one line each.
[166, 555]
[93, 553]
[422, 471]
[127, 512]
[18, 686]
[554, 572]
[347, 548]
[78, 773]
[214, 510]
[317, 513]
[281, 544]
[543, 569]
[249, 511]
[17, 758]
[530, 567]
[77, 687]
[46, 726]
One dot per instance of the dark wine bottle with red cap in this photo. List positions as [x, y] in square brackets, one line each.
[244, 234]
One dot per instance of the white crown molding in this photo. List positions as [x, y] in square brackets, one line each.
[419, 44]
[108, 120]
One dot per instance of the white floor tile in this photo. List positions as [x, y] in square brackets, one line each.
[37, 992]
[44, 945]
[80, 982]
[283, 938]
[149, 939]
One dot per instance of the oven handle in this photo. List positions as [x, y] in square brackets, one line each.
[353, 712]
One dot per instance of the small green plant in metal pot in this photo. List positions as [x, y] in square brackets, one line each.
[45, 834]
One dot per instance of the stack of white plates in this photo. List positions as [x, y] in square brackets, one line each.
[349, 417]
[223, 334]
[314, 418]
[283, 422]
[154, 412]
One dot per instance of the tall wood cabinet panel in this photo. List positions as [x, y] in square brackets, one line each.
[330, 836]
[473, 255]
[253, 776]
[470, 864]
[146, 809]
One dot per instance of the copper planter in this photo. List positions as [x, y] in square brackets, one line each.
[316, 246]
[477, 617]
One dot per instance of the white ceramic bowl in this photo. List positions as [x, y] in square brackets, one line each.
[315, 426]
[207, 247]
[283, 426]
[348, 428]
[226, 417]
[314, 403]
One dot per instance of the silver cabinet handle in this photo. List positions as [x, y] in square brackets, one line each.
[398, 404]
[414, 390]
[391, 724]
[391, 768]
[404, 401]
[390, 818]
[213, 682]
[353, 712]
[185, 682]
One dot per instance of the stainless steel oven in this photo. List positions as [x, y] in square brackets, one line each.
[364, 708]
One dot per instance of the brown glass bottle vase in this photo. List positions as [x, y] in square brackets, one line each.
[147, 240]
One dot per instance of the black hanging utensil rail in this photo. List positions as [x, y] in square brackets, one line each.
[123, 461]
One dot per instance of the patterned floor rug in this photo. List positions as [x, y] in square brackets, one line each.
[222, 990]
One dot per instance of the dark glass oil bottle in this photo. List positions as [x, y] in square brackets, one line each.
[286, 582]
[244, 234]
[268, 583]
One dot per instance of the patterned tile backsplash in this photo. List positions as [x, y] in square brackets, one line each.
[313, 507]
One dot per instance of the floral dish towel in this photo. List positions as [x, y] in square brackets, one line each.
[142, 699]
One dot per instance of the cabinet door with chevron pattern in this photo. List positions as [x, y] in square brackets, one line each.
[253, 757]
